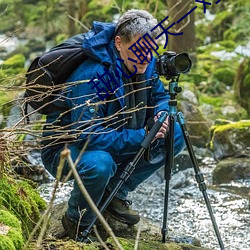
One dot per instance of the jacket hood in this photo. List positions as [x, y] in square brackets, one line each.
[98, 43]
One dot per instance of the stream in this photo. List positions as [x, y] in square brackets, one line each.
[187, 212]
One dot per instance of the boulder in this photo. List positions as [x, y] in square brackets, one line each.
[232, 139]
[231, 169]
[150, 235]
[197, 125]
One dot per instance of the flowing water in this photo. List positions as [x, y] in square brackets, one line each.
[187, 212]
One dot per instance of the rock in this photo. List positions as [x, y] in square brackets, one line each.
[181, 179]
[231, 169]
[232, 139]
[197, 125]
[149, 238]
[188, 95]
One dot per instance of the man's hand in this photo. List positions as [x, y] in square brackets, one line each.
[164, 128]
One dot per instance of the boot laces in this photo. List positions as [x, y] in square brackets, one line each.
[127, 203]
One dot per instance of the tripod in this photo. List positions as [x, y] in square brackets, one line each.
[173, 90]
[169, 163]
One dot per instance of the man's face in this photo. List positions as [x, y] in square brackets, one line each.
[125, 53]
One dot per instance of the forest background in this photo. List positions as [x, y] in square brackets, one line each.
[216, 37]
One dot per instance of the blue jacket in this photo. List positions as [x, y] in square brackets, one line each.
[102, 123]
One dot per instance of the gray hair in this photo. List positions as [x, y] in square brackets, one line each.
[136, 22]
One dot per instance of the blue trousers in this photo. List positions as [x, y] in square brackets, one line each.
[100, 170]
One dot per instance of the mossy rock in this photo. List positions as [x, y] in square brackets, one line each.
[221, 107]
[232, 139]
[10, 231]
[22, 200]
[231, 169]
[128, 244]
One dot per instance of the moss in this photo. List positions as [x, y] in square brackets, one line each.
[16, 61]
[212, 100]
[16, 237]
[221, 133]
[6, 243]
[10, 220]
[22, 200]
[13, 239]
[236, 125]
[128, 244]
[224, 75]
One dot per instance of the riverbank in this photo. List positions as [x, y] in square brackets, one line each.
[188, 215]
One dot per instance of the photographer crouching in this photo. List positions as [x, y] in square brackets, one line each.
[118, 90]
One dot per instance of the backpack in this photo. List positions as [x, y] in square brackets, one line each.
[48, 73]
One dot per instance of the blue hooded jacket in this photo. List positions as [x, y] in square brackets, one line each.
[88, 118]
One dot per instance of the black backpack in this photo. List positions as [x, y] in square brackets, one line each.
[48, 73]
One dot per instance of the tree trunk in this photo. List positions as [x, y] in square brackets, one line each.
[83, 7]
[187, 41]
[72, 13]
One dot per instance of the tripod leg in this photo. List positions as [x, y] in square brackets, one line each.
[168, 173]
[199, 177]
[129, 168]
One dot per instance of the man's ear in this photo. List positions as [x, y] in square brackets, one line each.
[118, 43]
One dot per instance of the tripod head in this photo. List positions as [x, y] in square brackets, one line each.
[174, 89]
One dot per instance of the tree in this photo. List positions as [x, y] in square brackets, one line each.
[187, 41]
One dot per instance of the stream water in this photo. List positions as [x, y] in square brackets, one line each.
[187, 212]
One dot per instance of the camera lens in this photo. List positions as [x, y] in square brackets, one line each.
[182, 63]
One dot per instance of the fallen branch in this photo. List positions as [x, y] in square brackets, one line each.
[66, 154]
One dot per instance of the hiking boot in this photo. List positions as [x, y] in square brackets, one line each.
[121, 211]
[75, 231]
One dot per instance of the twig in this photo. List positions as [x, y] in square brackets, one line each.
[137, 236]
[99, 238]
[66, 154]
[45, 217]
[77, 21]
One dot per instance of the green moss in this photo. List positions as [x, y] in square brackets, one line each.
[224, 75]
[236, 125]
[214, 101]
[128, 244]
[10, 220]
[16, 61]
[14, 234]
[16, 237]
[238, 128]
[6, 243]
[22, 200]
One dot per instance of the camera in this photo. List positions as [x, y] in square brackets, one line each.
[172, 65]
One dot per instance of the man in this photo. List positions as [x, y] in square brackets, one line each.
[108, 101]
